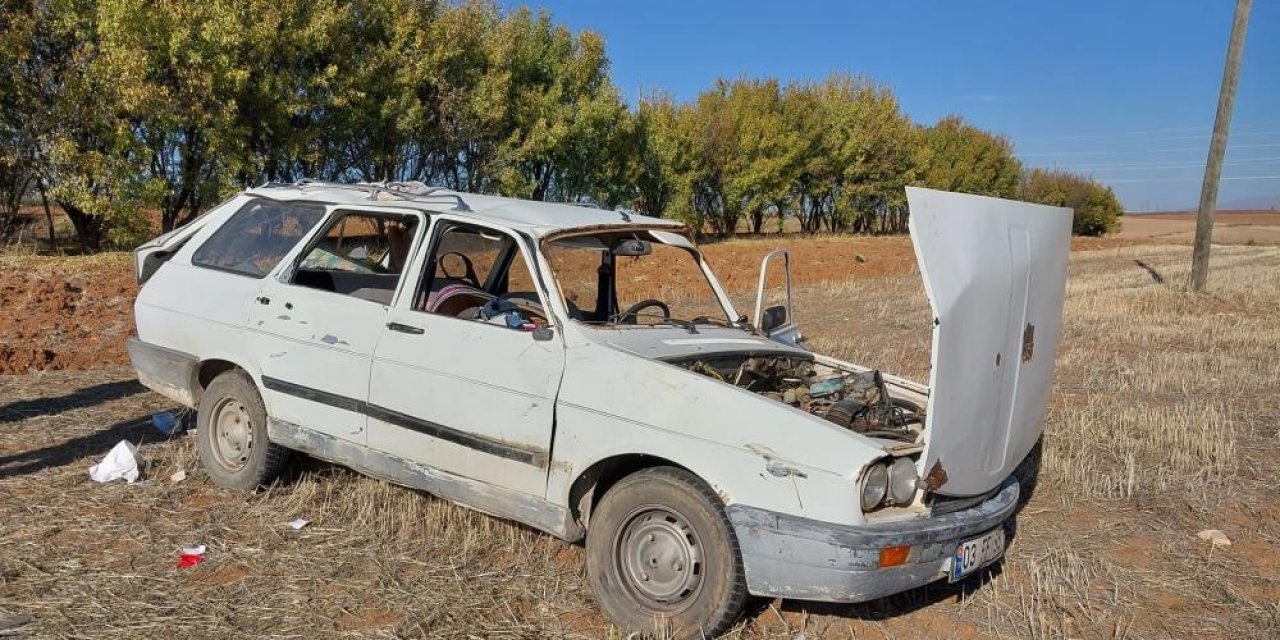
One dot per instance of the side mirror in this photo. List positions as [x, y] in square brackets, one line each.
[774, 317]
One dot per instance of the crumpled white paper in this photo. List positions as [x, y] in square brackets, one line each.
[121, 461]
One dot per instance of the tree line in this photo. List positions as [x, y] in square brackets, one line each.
[113, 108]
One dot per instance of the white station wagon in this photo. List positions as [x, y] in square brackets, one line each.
[582, 371]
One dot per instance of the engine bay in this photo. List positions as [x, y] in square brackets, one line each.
[855, 400]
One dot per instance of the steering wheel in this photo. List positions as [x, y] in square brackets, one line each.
[629, 316]
[470, 273]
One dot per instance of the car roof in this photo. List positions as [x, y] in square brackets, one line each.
[536, 218]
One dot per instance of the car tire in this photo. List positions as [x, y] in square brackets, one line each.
[231, 434]
[662, 557]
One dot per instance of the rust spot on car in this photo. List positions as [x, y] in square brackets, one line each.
[1028, 342]
[936, 478]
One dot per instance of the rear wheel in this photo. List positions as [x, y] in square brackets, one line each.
[663, 558]
[231, 434]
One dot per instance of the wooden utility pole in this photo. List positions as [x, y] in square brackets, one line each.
[1218, 148]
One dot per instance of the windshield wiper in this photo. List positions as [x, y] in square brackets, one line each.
[715, 322]
[688, 325]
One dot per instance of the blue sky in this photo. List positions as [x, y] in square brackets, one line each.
[1125, 90]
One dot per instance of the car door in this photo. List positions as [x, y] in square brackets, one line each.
[315, 324]
[471, 396]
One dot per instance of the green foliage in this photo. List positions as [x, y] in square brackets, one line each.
[960, 157]
[115, 108]
[1097, 211]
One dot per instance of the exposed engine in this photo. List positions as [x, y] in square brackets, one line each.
[854, 400]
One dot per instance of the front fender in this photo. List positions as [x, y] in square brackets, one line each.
[749, 449]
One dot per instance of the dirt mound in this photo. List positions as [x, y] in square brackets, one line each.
[64, 313]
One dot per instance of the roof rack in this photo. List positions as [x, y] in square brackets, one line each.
[414, 191]
[593, 205]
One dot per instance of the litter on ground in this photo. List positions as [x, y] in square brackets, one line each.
[165, 422]
[191, 556]
[1215, 537]
[121, 461]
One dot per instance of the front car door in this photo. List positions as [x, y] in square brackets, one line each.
[315, 323]
[465, 375]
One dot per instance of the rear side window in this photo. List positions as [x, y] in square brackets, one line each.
[254, 240]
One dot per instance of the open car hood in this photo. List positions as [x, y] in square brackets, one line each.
[995, 272]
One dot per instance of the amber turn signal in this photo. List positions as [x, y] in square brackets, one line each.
[894, 556]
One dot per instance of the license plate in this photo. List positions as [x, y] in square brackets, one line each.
[976, 553]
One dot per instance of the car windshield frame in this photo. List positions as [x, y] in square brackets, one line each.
[601, 240]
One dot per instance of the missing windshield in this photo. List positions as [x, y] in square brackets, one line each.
[633, 278]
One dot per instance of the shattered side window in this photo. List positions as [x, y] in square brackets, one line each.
[254, 240]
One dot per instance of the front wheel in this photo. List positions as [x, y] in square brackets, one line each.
[662, 557]
[231, 434]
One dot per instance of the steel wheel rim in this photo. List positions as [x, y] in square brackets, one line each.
[659, 559]
[232, 434]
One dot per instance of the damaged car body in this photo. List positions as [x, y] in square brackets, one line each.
[583, 372]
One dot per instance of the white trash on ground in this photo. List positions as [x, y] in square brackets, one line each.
[178, 476]
[1215, 537]
[121, 461]
[299, 523]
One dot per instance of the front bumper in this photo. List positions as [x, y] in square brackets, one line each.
[789, 556]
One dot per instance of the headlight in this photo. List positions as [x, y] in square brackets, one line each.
[902, 481]
[875, 485]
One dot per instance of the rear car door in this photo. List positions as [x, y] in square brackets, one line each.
[469, 394]
[199, 302]
[315, 323]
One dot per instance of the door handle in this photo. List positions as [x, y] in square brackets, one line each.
[263, 300]
[404, 328]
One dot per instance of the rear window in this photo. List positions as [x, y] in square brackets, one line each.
[254, 240]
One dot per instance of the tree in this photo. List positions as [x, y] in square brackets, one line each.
[1097, 210]
[857, 152]
[960, 157]
[18, 114]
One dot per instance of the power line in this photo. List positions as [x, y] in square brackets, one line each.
[1138, 166]
[1202, 136]
[1139, 151]
[1116, 134]
[1187, 179]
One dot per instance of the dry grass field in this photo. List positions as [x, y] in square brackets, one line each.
[1165, 421]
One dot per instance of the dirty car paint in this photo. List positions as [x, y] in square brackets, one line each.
[995, 271]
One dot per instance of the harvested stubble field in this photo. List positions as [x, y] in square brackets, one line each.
[1164, 422]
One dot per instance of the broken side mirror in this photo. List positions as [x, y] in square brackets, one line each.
[774, 317]
[777, 321]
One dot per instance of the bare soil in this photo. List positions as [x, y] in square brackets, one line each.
[1162, 424]
[1230, 227]
[64, 313]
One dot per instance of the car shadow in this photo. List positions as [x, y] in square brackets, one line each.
[86, 397]
[135, 430]
[889, 607]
